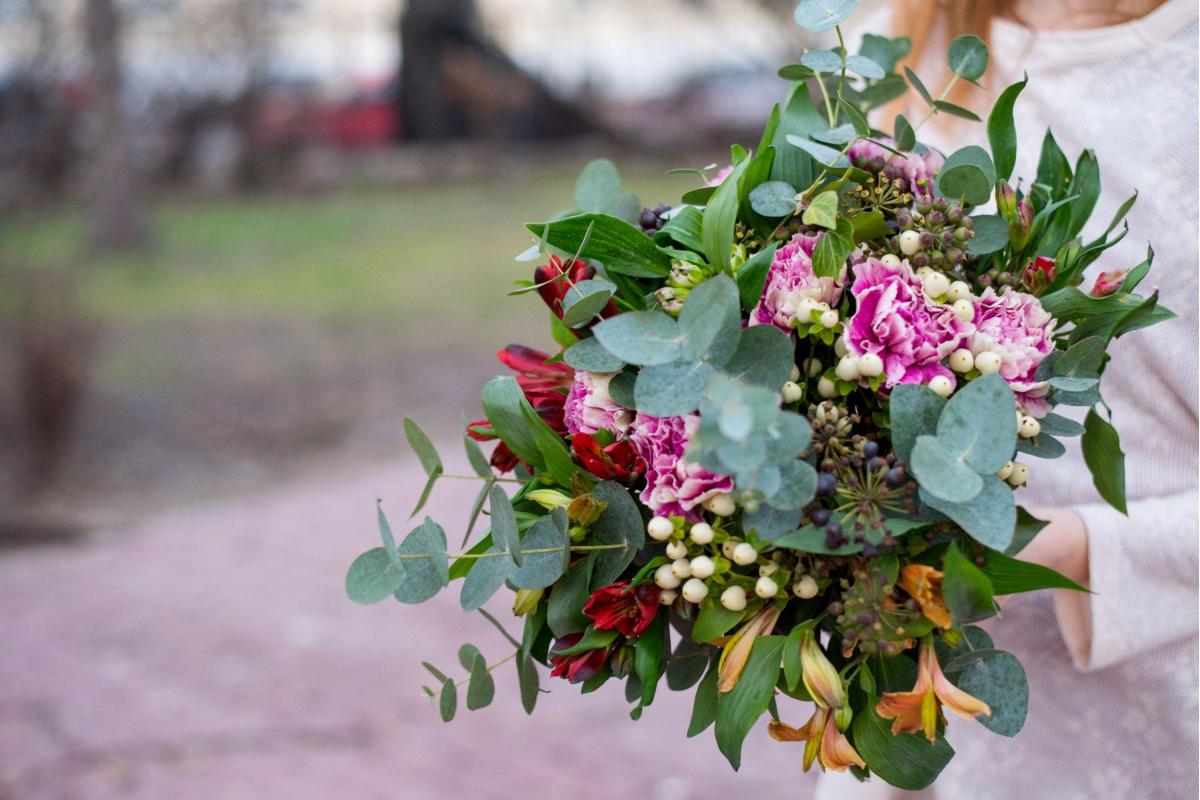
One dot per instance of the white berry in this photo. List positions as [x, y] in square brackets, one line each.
[804, 311]
[890, 259]
[910, 243]
[961, 360]
[744, 553]
[734, 598]
[964, 310]
[791, 392]
[826, 388]
[660, 529]
[681, 568]
[829, 319]
[806, 587]
[703, 567]
[847, 369]
[701, 533]
[664, 578]
[839, 347]
[1005, 471]
[1029, 428]
[720, 504]
[1019, 475]
[667, 596]
[676, 551]
[814, 368]
[727, 548]
[870, 365]
[936, 284]
[695, 590]
[794, 375]
[941, 386]
[766, 587]
[987, 362]
[959, 290]
[769, 568]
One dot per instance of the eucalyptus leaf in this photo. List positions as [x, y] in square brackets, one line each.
[373, 577]
[819, 16]
[505, 532]
[914, 410]
[448, 703]
[427, 565]
[990, 517]
[590, 356]
[968, 175]
[968, 57]
[620, 523]
[539, 570]
[763, 357]
[991, 235]
[711, 322]
[585, 300]
[773, 199]
[486, 577]
[481, 689]
[669, 390]
[861, 65]
[502, 401]
[999, 680]
[641, 337]
[822, 61]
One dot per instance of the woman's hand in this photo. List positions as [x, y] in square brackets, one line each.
[1062, 545]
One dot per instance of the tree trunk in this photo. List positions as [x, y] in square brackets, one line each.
[118, 213]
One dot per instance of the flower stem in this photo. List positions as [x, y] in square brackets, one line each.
[491, 667]
[479, 478]
[933, 109]
[842, 75]
[575, 548]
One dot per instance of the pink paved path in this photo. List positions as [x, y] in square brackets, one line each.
[211, 653]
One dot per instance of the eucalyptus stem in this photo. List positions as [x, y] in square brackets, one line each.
[828, 105]
[842, 75]
[491, 667]
[575, 548]
[933, 108]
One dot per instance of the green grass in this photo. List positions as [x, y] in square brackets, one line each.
[395, 253]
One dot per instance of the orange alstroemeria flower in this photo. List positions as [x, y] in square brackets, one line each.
[824, 743]
[737, 648]
[924, 584]
[920, 709]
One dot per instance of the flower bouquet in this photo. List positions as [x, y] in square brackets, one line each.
[776, 457]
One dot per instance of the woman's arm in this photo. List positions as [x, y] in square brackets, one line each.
[1142, 570]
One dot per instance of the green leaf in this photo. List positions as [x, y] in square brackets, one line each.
[793, 669]
[999, 680]
[822, 211]
[739, 709]
[427, 454]
[773, 199]
[714, 621]
[685, 228]
[619, 246]
[449, 700]
[720, 218]
[991, 235]
[831, 252]
[389, 541]
[980, 425]
[819, 16]
[561, 334]
[641, 337]
[967, 591]
[467, 655]
[799, 486]
[880, 50]
[968, 175]
[956, 111]
[1028, 526]
[687, 664]
[823, 154]
[620, 523]
[880, 92]
[502, 400]
[479, 462]
[598, 189]
[797, 118]
[1002, 132]
[372, 577]
[990, 517]
[1042, 446]
[861, 65]
[585, 300]
[914, 410]
[669, 390]
[752, 276]
[424, 576]
[903, 133]
[539, 570]
[564, 611]
[919, 86]
[481, 689]
[868, 226]
[527, 680]
[505, 532]
[769, 523]
[968, 57]
[555, 456]
[648, 658]
[905, 760]
[486, 577]
[590, 356]
[763, 357]
[821, 61]
[711, 321]
[1012, 576]
[1053, 171]
[1103, 456]
[942, 472]
[704, 706]
[795, 72]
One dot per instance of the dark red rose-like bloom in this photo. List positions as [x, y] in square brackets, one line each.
[534, 368]
[630, 612]
[618, 461]
[1039, 274]
[577, 667]
[554, 291]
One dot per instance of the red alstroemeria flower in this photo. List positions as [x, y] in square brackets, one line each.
[576, 667]
[1108, 282]
[533, 371]
[554, 291]
[1039, 274]
[618, 461]
[629, 611]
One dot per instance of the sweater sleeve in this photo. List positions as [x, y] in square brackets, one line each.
[1143, 577]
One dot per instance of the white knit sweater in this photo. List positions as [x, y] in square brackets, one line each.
[1118, 718]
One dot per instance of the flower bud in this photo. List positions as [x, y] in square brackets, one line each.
[821, 678]
[549, 499]
[585, 509]
[1021, 225]
[526, 600]
[621, 661]
[1006, 200]
[1108, 283]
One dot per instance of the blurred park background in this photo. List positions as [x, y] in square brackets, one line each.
[240, 240]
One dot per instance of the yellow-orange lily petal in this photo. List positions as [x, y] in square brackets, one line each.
[924, 584]
[836, 751]
[952, 697]
[920, 709]
[737, 649]
[824, 743]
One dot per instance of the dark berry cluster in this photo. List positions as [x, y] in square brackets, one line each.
[873, 613]
[652, 219]
[944, 232]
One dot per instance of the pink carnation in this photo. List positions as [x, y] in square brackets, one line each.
[897, 322]
[590, 407]
[790, 279]
[1016, 327]
[674, 485]
[916, 170]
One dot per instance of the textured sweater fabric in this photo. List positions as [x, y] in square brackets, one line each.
[1112, 675]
